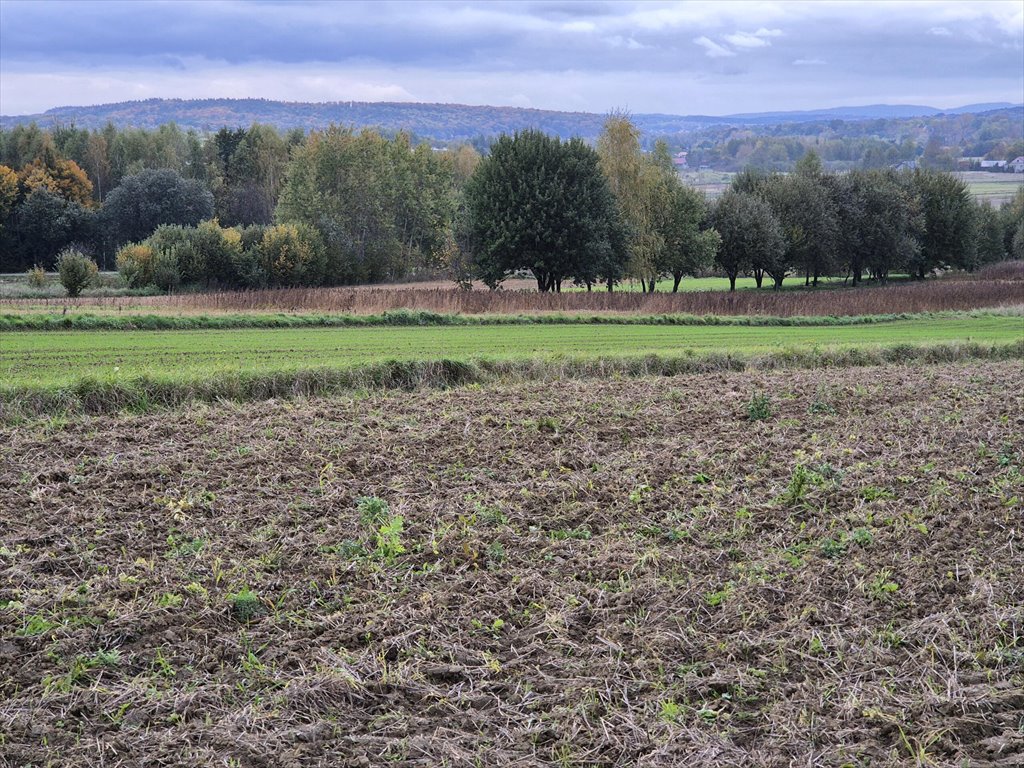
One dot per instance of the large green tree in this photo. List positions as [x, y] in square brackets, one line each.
[144, 201]
[750, 232]
[949, 238]
[540, 204]
[382, 207]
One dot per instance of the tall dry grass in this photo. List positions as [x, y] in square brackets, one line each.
[1000, 289]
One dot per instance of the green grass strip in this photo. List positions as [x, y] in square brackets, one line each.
[145, 392]
[408, 318]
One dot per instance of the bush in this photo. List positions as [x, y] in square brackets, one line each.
[166, 274]
[135, 264]
[36, 277]
[292, 255]
[76, 271]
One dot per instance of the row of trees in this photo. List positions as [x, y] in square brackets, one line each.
[562, 210]
[255, 208]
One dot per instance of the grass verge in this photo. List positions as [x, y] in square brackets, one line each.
[406, 318]
[146, 392]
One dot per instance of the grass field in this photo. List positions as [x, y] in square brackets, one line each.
[995, 188]
[595, 574]
[55, 358]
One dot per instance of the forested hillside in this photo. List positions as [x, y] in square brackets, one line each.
[871, 136]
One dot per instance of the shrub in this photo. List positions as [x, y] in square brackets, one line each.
[76, 271]
[37, 277]
[165, 274]
[292, 255]
[135, 264]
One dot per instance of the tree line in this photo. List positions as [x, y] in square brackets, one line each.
[258, 208]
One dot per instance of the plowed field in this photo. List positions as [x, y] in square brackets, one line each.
[589, 573]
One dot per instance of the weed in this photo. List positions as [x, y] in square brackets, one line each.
[638, 494]
[760, 408]
[373, 511]
[495, 552]
[35, 625]
[349, 549]
[246, 605]
[169, 600]
[718, 598]
[389, 539]
[862, 537]
[670, 711]
[491, 515]
[873, 493]
[798, 486]
[881, 587]
[833, 548]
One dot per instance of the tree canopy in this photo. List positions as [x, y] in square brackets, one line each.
[541, 204]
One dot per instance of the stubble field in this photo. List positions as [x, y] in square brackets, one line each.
[760, 568]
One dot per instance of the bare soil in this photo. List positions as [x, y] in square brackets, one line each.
[596, 573]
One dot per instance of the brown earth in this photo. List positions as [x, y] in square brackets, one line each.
[611, 573]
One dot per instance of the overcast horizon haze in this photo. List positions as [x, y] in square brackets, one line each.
[674, 58]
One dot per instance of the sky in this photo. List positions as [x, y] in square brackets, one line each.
[669, 57]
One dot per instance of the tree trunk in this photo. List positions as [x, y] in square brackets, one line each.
[611, 284]
[758, 277]
[732, 281]
[677, 278]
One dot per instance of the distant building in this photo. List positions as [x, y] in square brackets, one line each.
[679, 160]
[1017, 164]
[990, 164]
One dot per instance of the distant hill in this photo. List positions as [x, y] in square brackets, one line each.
[443, 122]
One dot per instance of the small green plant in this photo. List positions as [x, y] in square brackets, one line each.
[76, 271]
[169, 600]
[798, 486]
[35, 625]
[821, 404]
[36, 277]
[718, 598]
[389, 539]
[245, 605]
[759, 408]
[563, 534]
[873, 492]
[373, 510]
[637, 494]
[862, 537]
[495, 552]
[882, 587]
[833, 548]
[491, 515]
[670, 711]
[349, 549]
[547, 424]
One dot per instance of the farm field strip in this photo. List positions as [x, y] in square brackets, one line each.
[54, 358]
[630, 572]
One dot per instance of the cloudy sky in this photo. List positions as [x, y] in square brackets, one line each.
[672, 57]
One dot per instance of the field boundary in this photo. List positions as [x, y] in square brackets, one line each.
[144, 393]
[407, 318]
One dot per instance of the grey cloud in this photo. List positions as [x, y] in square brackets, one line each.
[541, 52]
